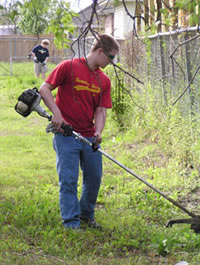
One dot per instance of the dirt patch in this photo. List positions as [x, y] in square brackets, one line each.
[192, 200]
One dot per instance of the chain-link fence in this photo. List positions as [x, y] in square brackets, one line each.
[169, 60]
[174, 65]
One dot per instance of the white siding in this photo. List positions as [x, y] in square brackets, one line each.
[128, 20]
[123, 23]
[109, 24]
[119, 22]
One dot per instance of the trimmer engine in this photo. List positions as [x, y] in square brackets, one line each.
[29, 101]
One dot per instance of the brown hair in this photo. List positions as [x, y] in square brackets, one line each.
[105, 41]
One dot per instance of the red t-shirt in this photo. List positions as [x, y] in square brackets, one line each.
[80, 92]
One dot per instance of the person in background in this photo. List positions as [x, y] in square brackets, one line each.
[40, 55]
[82, 99]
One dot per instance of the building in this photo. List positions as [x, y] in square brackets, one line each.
[7, 29]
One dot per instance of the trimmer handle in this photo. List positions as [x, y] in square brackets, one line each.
[68, 129]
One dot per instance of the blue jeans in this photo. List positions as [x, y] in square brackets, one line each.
[70, 152]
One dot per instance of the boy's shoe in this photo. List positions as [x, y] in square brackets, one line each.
[90, 222]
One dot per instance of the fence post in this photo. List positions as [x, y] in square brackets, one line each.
[10, 46]
[163, 71]
[189, 73]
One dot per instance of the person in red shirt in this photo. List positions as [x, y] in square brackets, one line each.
[82, 98]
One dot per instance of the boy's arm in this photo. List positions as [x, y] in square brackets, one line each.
[100, 119]
[46, 94]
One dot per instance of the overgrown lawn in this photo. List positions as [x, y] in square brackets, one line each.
[133, 215]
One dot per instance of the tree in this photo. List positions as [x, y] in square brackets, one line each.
[192, 8]
[10, 13]
[61, 24]
[34, 17]
[50, 17]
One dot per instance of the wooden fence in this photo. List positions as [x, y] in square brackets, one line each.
[17, 47]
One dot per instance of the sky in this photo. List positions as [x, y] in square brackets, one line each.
[77, 5]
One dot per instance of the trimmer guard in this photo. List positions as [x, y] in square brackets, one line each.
[195, 223]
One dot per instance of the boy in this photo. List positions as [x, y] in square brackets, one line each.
[40, 54]
[82, 99]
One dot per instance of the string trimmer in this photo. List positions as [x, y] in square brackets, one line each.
[29, 101]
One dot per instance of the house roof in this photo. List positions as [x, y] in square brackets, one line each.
[103, 8]
[7, 29]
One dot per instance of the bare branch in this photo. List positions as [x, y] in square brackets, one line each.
[182, 43]
[187, 86]
[179, 45]
[126, 72]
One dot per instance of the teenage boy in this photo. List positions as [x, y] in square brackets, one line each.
[82, 98]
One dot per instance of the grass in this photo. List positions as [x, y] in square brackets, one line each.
[133, 216]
